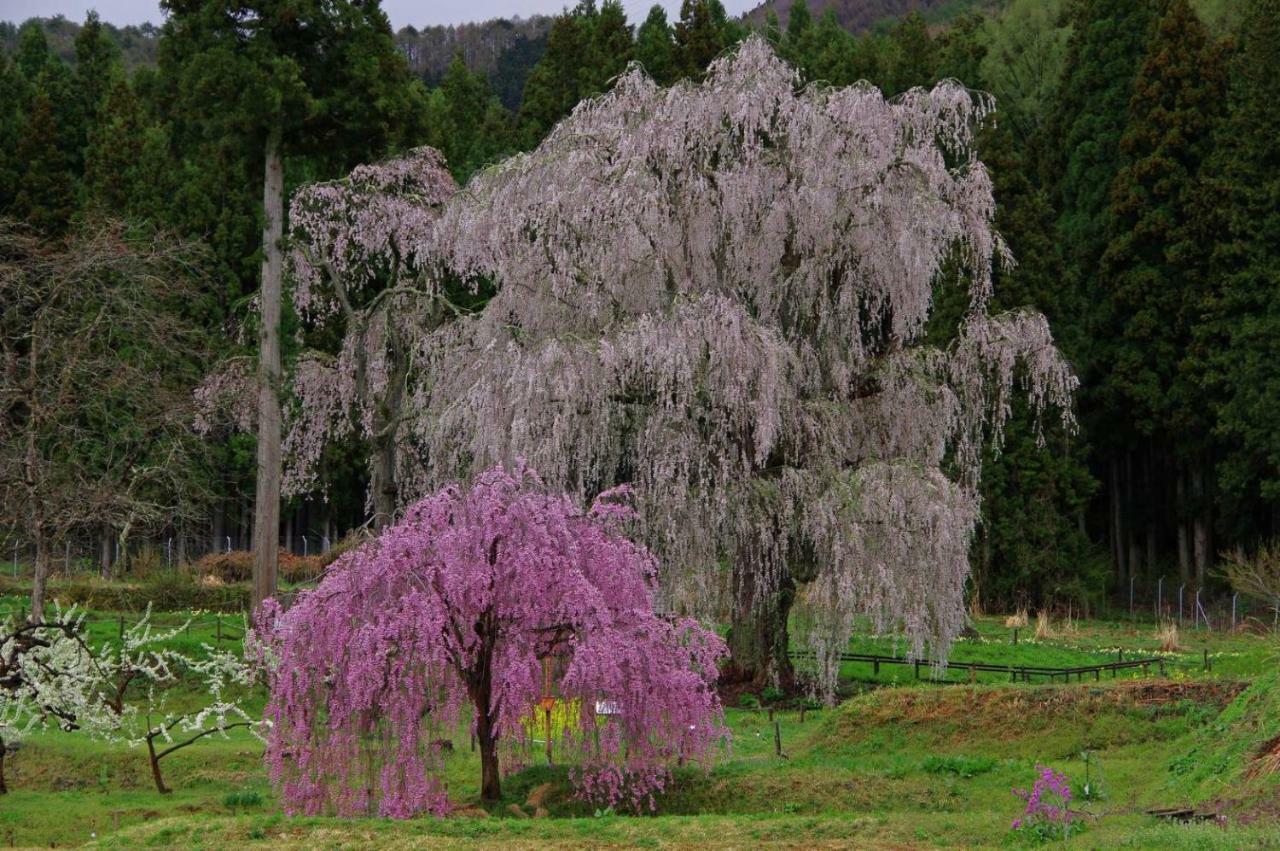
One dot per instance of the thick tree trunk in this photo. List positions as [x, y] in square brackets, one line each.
[44, 558]
[1184, 537]
[266, 520]
[480, 685]
[1200, 527]
[758, 638]
[383, 485]
[486, 738]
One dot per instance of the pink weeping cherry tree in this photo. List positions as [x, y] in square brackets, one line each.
[718, 293]
[453, 614]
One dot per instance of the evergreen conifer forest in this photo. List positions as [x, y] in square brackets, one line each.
[853, 423]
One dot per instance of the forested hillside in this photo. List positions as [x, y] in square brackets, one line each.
[1135, 155]
[857, 16]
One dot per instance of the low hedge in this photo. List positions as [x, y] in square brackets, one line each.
[172, 591]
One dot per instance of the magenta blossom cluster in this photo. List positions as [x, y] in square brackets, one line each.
[451, 617]
[1048, 801]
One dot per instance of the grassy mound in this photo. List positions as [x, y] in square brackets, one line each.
[1233, 763]
[1042, 722]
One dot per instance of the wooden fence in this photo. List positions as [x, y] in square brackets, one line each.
[1016, 673]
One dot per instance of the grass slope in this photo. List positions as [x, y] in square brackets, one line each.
[918, 766]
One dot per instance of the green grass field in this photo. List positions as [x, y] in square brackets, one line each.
[915, 766]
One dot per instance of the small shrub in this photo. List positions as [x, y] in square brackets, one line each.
[747, 700]
[960, 766]
[1167, 635]
[234, 800]
[1016, 620]
[145, 562]
[772, 694]
[237, 566]
[233, 566]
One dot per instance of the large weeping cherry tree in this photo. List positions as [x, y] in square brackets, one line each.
[718, 293]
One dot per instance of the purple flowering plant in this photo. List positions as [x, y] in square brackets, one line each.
[1047, 814]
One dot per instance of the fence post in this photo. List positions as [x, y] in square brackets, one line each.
[777, 738]
[1015, 636]
[1206, 659]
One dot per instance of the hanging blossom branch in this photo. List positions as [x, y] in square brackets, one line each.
[717, 292]
[359, 263]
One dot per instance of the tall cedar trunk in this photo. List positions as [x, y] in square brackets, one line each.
[41, 579]
[1184, 537]
[1117, 522]
[266, 518]
[106, 552]
[1200, 535]
[218, 533]
[758, 638]
[1148, 479]
[1131, 537]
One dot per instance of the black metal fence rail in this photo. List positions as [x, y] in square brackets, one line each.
[1016, 673]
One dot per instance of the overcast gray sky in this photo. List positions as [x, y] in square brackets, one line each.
[401, 12]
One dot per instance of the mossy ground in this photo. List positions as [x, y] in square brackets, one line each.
[917, 766]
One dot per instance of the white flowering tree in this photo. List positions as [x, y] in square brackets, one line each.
[718, 293]
[49, 674]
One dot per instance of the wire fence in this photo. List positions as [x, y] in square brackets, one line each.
[1149, 599]
[1173, 599]
[89, 555]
